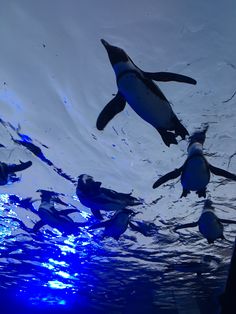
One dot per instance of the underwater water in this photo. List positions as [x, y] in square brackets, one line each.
[55, 78]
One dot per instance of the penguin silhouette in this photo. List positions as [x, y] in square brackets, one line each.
[210, 226]
[117, 224]
[7, 170]
[54, 218]
[138, 89]
[195, 172]
[97, 198]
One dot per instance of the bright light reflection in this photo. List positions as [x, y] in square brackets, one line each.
[4, 198]
[63, 274]
[57, 232]
[49, 266]
[61, 263]
[65, 248]
[55, 284]
[70, 240]
[50, 299]
[85, 215]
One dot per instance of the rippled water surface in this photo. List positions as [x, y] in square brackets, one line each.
[55, 78]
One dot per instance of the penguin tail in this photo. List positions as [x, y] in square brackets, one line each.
[167, 137]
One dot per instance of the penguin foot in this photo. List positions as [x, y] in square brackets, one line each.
[184, 193]
[210, 241]
[201, 193]
[180, 130]
[167, 137]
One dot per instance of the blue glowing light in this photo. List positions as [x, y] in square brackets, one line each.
[61, 263]
[65, 249]
[48, 299]
[85, 215]
[49, 266]
[25, 137]
[56, 232]
[55, 284]
[4, 198]
[63, 274]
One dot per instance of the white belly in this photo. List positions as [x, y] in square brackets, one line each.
[145, 103]
[196, 175]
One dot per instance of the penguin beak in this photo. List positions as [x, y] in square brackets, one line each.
[105, 43]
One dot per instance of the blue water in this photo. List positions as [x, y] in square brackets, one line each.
[55, 78]
[87, 274]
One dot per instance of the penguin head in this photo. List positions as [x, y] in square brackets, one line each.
[199, 136]
[115, 54]
[87, 185]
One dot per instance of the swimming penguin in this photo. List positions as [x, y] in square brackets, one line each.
[204, 264]
[210, 226]
[195, 172]
[117, 224]
[95, 197]
[138, 89]
[58, 219]
[7, 170]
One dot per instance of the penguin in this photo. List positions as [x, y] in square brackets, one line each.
[206, 264]
[96, 198]
[137, 88]
[8, 170]
[195, 172]
[117, 224]
[58, 219]
[210, 226]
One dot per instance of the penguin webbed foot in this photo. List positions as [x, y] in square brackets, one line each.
[184, 193]
[201, 193]
[167, 137]
[180, 129]
[210, 241]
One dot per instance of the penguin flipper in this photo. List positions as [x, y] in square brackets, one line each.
[116, 105]
[22, 166]
[171, 175]
[39, 224]
[227, 221]
[167, 137]
[137, 228]
[189, 225]
[168, 76]
[96, 213]
[68, 211]
[98, 225]
[222, 172]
